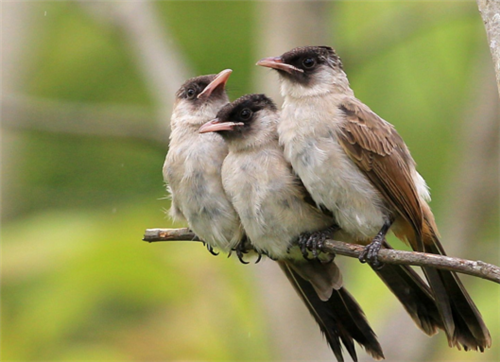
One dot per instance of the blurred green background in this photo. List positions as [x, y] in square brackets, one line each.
[86, 95]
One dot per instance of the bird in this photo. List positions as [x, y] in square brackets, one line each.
[274, 210]
[192, 168]
[356, 165]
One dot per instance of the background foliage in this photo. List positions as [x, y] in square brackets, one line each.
[78, 283]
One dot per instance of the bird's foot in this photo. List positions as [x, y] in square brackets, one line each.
[210, 248]
[370, 253]
[315, 242]
[303, 239]
[241, 249]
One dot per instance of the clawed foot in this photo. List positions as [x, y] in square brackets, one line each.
[314, 242]
[370, 254]
[210, 249]
[241, 250]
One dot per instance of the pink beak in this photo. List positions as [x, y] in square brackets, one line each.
[215, 125]
[278, 64]
[219, 81]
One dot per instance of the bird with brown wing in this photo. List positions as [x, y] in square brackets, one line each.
[355, 164]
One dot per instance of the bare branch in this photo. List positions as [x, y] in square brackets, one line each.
[152, 235]
[389, 256]
[490, 12]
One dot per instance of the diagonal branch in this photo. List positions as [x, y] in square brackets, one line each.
[389, 256]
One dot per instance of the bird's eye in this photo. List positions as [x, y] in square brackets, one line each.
[308, 63]
[190, 93]
[245, 114]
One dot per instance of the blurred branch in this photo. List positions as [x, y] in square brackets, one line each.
[490, 12]
[163, 70]
[21, 112]
[389, 256]
[156, 55]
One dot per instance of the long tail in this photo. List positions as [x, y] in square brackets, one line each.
[463, 322]
[340, 318]
[414, 295]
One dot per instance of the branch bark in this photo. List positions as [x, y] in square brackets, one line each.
[490, 12]
[389, 256]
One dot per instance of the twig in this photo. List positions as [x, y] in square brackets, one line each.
[389, 256]
[152, 235]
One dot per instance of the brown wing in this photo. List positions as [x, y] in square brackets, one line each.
[380, 152]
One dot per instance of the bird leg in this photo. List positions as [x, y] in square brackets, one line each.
[370, 252]
[315, 241]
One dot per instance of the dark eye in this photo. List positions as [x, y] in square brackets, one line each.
[190, 93]
[245, 114]
[308, 63]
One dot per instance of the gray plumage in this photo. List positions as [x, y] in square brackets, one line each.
[272, 206]
[193, 164]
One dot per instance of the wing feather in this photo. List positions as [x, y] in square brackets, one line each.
[380, 152]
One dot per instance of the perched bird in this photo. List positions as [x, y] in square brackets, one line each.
[193, 164]
[274, 210]
[355, 164]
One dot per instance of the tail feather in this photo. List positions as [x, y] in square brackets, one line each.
[414, 295]
[340, 318]
[462, 320]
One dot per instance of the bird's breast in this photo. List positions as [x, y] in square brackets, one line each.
[333, 180]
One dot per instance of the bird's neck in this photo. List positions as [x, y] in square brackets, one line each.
[297, 91]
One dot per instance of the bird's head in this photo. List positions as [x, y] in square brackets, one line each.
[308, 71]
[200, 98]
[249, 121]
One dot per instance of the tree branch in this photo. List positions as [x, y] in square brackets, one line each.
[389, 256]
[490, 12]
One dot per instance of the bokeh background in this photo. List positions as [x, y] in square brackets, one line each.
[87, 89]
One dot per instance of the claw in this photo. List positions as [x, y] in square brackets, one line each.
[241, 251]
[258, 258]
[240, 255]
[303, 244]
[370, 253]
[210, 249]
[315, 242]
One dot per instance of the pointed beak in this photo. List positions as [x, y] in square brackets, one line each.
[278, 64]
[216, 125]
[219, 81]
